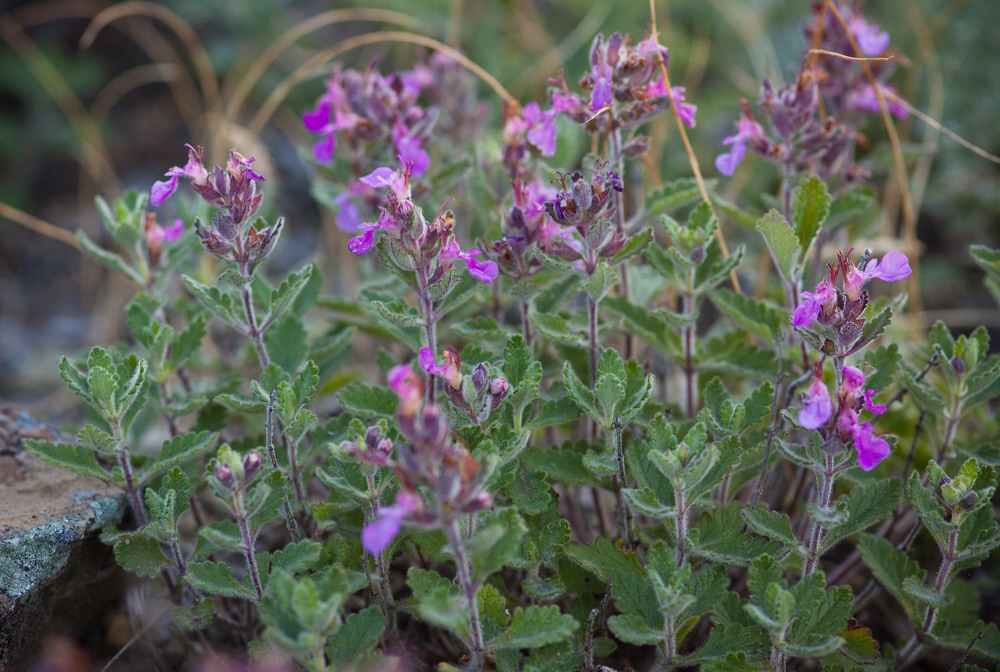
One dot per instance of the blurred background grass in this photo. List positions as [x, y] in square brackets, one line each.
[76, 122]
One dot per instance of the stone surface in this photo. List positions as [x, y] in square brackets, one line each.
[55, 575]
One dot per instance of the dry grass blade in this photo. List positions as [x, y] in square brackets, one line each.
[845, 57]
[257, 69]
[309, 68]
[936, 125]
[94, 154]
[909, 216]
[188, 37]
[127, 82]
[695, 169]
[39, 226]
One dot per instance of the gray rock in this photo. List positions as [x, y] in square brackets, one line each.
[55, 574]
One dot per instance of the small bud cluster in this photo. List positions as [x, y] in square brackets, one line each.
[439, 480]
[476, 395]
[233, 472]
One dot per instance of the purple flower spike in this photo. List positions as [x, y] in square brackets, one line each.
[193, 169]
[877, 409]
[601, 95]
[807, 311]
[871, 449]
[428, 363]
[816, 406]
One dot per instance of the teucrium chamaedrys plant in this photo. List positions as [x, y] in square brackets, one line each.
[550, 343]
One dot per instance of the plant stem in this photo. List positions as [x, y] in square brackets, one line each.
[470, 590]
[941, 582]
[622, 484]
[253, 331]
[133, 493]
[592, 338]
[384, 591]
[824, 497]
[525, 325]
[290, 523]
[687, 336]
[680, 504]
[430, 332]
[248, 542]
[619, 161]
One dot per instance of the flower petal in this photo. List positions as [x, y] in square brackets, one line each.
[360, 245]
[890, 268]
[877, 409]
[726, 163]
[871, 449]
[380, 178]
[315, 120]
[161, 190]
[807, 311]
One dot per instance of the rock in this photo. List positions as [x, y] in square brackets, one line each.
[55, 574]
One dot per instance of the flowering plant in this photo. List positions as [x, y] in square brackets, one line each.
[572, 438]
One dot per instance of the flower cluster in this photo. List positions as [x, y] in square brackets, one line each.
[233, 472]
[624, 79]
[430, 245]
[841, 308]
[234, 190]
[368, 109]
[439, 480]
[156, 235]
[812, 119]
[844, 85]
[476, 395]
[818, 409]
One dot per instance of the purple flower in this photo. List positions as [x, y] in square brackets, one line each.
[193, 169]
[871, 449]
[408, 387]
[892, 267]
[451, 370]
[348, 217]
[409, 149]
[852, 379]
[484, 271]
[746, 130]
[239, 164]
[809, 308]
[376, 536]
[360, 245]
[380, 178]
[871, 39]
[658, 89]
[864, 99]
[315, 120]
[816, 405]
[541, 128]
[877, 409]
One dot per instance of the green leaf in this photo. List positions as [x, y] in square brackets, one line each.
[758, 318]
[873, 328]
[635, 244]
[78, 459]
[658, 327]
[867, 504]
[215, 301]
[600, 282]
[563, 464]
[722, 641]
[718, 537]
[140, 554]
[216, 578]
[555, 328]
[674, 194]
[923, 593]
[171, 500]
[773, 525]
[495, 542]
[783, 244]
[811, 205]
[891, 568]
[296, 557]
[179, 450]
[285, 341]
[368, 400]
[285, 294]
[535, 627]
[633, 629]
[109, 259]
[629, 586]
[356, 638]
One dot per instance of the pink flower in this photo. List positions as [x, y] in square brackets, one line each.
[865, 100]
[451, 370]
[408, 387]
[892, 267]
[816, 405]
[877, 409]
[658, 89]
[376, 536]
[193, 169]
[484, 271]
[746, 130]
[380, 178]
[541, 128]
[871, 449]
[870, 38]
[348, 217]
[811, 304]
[852, 379]
[409, 149]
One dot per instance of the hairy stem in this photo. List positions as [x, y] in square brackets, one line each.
[429, 322]
[622, 484]
[384, 590]
[681, 513]
[470, 590]
[290, 523]
[824, 496]
[249, 553]
[253, 331]
[687, 337]
[525, 325]
[941, 582]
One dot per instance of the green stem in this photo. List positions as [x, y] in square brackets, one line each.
[470, 590]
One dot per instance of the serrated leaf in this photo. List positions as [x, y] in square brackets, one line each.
[867, 504]
[285, 341]
[629, 586]
[720, 538]
[635, 244]
[724, 639]
[78, 459]
[633, 629]
[758, 318]
[216, 578]
[555, 328]
[535, 627]
[286, 293]
[215, 301]
[179, 450]
[774, 525]
[495, 542]
[810, 207]
[673, 194]
[356, 638]
[109, 259]
[368, 400]
[140, 554]
[873, 328]
[782, 242]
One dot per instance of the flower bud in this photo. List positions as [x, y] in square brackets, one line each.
[372, 436]
[225, 475]
[697, 254]
[384, 446]
[968, 500]
[945, 480]
[957, 365]
[225, 226]
[480, 377]
[498, 390]
[251, 465]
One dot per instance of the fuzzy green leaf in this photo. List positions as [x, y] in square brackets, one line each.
[782, 242]
[811, 205]
[78, 459]
[535, 627]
